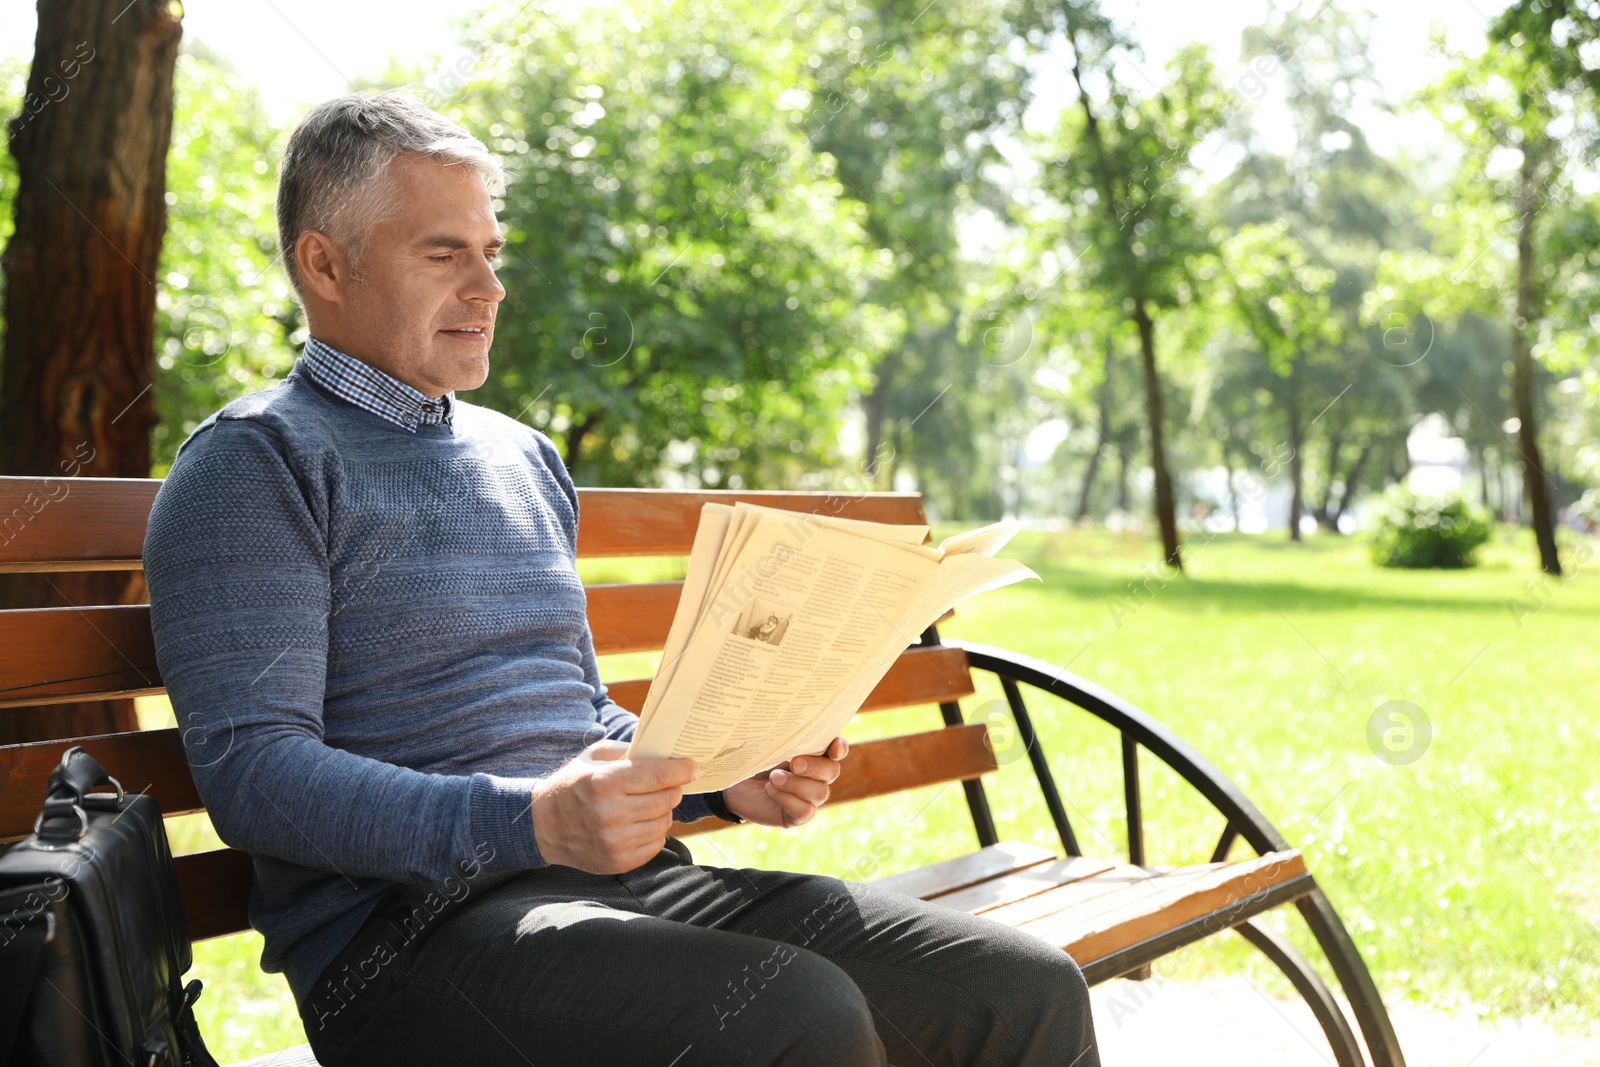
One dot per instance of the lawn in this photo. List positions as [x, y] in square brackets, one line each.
[1465, 876]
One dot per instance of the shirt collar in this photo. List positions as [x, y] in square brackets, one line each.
[370, 389]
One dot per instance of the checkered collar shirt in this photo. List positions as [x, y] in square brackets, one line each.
[370, 389]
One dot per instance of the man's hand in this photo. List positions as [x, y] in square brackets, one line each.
[790, 793]
[603, 813]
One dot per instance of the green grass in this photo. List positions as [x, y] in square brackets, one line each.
[1467, 877]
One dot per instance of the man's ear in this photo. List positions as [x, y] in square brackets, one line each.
[323, 266]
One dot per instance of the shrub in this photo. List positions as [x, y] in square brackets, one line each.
[1420, 531]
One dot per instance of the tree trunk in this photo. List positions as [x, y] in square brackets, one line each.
[1103, 431]
[1323, 510]
[1233, 489]
[577, 433]
[1297, 474]
[1351, 480]
[1166, 506]
[1533, 473]
[1483, 478]
[1123, 502]
[875, 407]
[1496, 482]
[80, 299]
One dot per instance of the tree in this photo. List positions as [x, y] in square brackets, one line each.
[1343, 205]
[907, 101]
[1527, 100]
[686, 274]
[1123, 164]
[1280, 299]
[90, 147]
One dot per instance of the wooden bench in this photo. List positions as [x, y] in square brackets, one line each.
[1115, 916]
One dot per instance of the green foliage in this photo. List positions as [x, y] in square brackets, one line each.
[225, 315]
[1420, 532]
[13, 82]
[1279, 296]
[686, 275]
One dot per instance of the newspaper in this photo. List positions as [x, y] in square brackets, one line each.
[786, 623]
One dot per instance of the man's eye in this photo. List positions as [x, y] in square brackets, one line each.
[443, 258]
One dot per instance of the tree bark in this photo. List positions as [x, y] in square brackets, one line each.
[80, 299]
[1166, 506]
[1533, 474]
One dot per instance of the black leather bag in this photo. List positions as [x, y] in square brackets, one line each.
[93, 943]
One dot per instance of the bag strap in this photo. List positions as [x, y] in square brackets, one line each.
[62, 818]
[191, 1046]
[19, 961]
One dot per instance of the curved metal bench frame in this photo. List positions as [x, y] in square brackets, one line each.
[1241, 818]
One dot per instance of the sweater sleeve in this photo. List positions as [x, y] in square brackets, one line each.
[237, 563]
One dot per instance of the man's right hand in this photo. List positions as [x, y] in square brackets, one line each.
[604, 813]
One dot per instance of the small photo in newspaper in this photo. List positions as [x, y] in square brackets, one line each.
[764, 620]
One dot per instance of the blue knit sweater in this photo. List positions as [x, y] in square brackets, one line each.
[374, 641]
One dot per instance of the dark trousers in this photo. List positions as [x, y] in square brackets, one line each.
[679, 965]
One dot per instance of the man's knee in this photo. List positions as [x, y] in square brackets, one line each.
[797, 1009]
[1055, 981]
[1052, 1008]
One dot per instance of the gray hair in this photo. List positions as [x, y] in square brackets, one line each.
[334, 177]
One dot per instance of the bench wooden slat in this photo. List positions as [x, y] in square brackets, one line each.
[919, 676]
[60, 654]
[60, 524]
[74, 524]
[892, 764]
[662, 522]
[1170, 899]
[216, 892]
[631, 618]
[1019, 885]
[1081, 895]
[151, 761]
[55, 655]
[974, 868]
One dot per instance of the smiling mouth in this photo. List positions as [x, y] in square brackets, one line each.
[467, 333]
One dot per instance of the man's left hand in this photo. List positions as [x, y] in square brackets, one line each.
[790, 793]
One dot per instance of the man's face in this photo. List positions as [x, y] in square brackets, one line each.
[424, 308]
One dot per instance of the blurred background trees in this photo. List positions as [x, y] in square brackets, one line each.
[982, 250]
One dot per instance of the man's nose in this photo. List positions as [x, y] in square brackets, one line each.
[482, 284]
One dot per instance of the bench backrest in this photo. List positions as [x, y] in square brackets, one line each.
[90, 652]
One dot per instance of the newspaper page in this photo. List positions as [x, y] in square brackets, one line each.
[778, 640]
[716, 530]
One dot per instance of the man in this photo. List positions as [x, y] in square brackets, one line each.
[367, 616]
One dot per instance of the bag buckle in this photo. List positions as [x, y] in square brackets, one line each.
[103, 797]
[46, 813]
